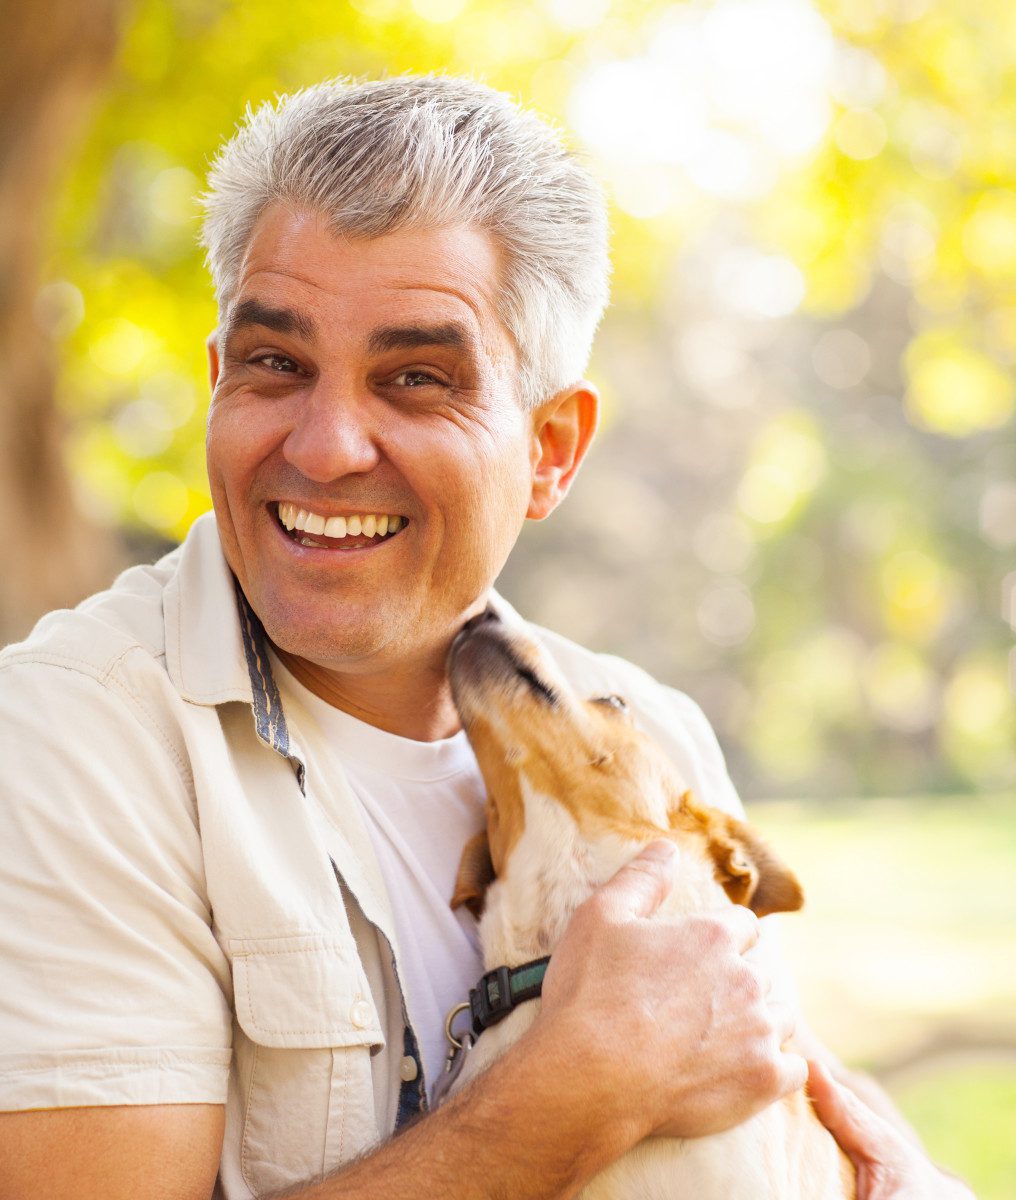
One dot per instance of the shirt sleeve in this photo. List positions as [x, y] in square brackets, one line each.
[113, 989]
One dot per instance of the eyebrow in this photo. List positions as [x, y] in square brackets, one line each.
[408, 337]
[392, 337]
[282, 320]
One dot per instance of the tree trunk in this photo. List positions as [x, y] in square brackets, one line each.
[54, 57]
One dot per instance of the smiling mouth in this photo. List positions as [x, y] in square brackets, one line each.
[350, 532]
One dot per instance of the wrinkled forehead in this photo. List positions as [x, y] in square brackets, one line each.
[297, 261]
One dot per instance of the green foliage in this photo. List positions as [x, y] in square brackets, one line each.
[903, 957]
[966, 1115]
[803, 509]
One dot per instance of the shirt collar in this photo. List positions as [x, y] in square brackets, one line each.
[216, 647]
[206, 654]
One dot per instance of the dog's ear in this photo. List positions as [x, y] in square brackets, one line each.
[476, 874]
[749, 872]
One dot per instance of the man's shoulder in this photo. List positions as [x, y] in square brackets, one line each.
[105, 628]
[89, 681]
[174, 620]
[594, 672]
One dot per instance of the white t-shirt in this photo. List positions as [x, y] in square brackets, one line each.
[421, 803]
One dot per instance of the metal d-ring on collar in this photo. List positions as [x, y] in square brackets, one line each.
[497, 993]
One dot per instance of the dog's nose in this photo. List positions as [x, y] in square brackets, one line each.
[481, 618]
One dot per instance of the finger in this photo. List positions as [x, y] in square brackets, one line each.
[641, 886]
[742, 924]
[784, 1019]
[855, 1127]
[794, 1069]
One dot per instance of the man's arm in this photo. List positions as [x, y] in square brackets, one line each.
[597, 1072]
[159, 1151]
[618, 1052]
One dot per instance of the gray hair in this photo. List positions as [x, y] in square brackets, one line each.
[426, 152]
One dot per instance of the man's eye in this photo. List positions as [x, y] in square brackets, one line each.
[415, 379]
[278, 363]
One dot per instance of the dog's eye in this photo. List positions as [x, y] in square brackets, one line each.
[616, 702]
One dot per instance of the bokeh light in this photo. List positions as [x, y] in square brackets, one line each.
[804, 480]
[801, 508]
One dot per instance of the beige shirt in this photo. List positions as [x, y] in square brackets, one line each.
[187, 912]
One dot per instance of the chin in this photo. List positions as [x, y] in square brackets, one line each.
[332, 641]
[334, 649]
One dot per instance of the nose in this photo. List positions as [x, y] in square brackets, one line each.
[481, 618]
[333, 436]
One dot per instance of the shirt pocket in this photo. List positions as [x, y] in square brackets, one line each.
[306, 1027]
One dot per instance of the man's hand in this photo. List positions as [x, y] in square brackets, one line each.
[889, 1167]
[675, 1026]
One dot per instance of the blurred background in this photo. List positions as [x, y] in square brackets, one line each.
[802, 505]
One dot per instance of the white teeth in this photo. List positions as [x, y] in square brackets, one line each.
[366, 525]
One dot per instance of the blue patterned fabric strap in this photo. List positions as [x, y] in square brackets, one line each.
[411, 1094]
[269, 719]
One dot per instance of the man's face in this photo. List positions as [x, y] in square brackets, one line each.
[358, 378]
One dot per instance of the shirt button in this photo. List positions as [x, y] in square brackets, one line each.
[408, 1068]
[359, 1014]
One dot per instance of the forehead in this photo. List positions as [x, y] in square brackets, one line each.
[450, 274]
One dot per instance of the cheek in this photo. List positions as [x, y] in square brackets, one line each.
[224, 443]
[480, 481]
[504, 479]
[218, 457]
[238, 438]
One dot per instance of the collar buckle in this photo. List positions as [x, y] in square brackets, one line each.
[491, 1000]
[503, 989]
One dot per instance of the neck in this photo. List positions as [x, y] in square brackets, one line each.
[413, 703]
[512, 934]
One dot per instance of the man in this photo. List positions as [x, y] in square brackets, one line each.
[235, 785]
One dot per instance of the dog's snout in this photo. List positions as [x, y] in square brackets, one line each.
[487, 619]
[486, 652]
[481, 618]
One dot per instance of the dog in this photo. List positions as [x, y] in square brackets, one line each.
[574, 792]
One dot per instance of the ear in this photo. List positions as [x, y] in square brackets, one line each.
[749, 872]
[212, 345]
[563, 427]
[476, 874]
